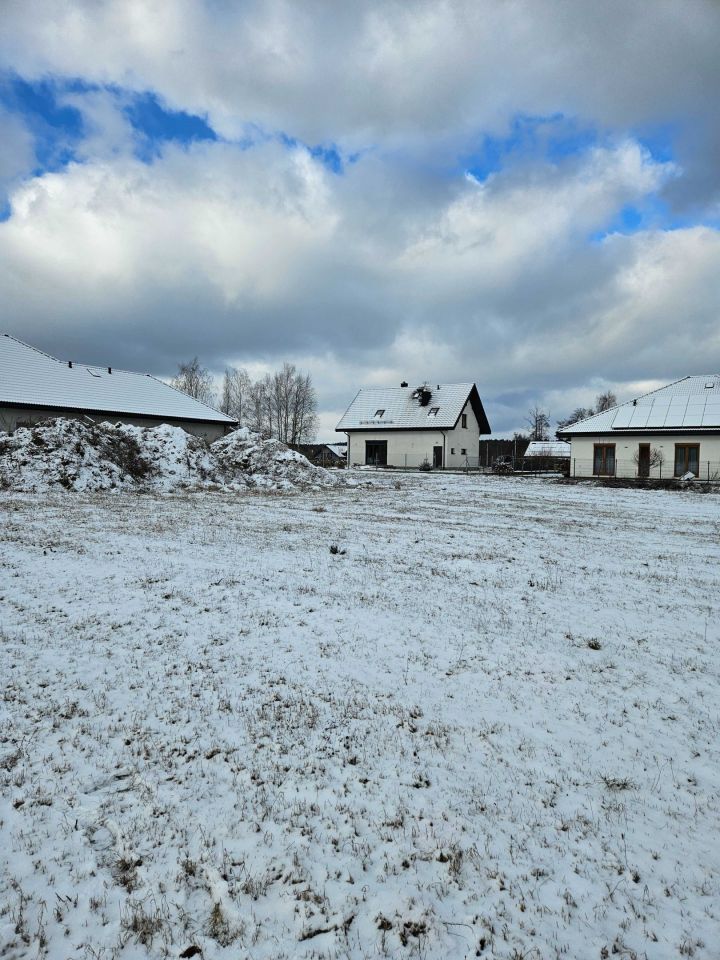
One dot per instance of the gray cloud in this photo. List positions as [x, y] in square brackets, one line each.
[257, 255]
[402, 267]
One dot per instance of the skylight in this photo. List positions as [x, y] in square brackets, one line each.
[433, 411]
[379, 413]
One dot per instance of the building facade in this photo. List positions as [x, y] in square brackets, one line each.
[433, 425]
[670, 432]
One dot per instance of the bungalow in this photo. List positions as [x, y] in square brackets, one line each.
[437, 425]
[35, 386]
[672, 431]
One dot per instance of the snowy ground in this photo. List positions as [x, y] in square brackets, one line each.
[442, 717]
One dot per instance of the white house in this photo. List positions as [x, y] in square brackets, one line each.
[435, 424]
[668, 432]
[35, 386]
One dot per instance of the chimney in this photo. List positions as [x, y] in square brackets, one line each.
[70, 364]
[404, 383]
[109, 369]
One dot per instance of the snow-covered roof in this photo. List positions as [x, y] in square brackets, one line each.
[548, 448]
[29, 377]
[692, 403]
[399, 408]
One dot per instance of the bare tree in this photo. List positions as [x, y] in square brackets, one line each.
[605, 401]
[235, 394]
[538, 421]
[579, 413]
[284, 405]
[655, 458]
[194, 380]
[303, 418]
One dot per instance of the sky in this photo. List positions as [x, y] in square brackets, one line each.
[521, 194]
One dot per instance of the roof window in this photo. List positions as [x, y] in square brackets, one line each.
[433, 411]
[379, 413]
[709, 385]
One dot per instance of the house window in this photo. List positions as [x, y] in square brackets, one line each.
[604, 460]
[376, 453]
[452, 449]
[687, 458]
[463, 420]
[379, 413]
[463, 451]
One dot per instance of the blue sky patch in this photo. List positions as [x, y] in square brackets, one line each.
[156, 125]
[550, 139]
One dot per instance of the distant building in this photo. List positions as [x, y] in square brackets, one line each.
[668, 432]
[437, 425]
[35, 386]
[321, 454]
[548, 449]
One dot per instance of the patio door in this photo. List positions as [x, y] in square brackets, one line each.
[376, 453]
[604, 460]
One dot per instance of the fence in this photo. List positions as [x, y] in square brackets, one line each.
[424, 461]
[706, 470]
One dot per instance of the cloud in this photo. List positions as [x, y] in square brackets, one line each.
[482, 162]
[385, 71]
[255, 255]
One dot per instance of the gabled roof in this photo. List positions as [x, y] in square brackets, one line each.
[29, 377]
[692, 403]
[399, 408]
[547, 448]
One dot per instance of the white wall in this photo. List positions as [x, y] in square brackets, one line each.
[405, 448]
[409, 448]
[463, 438]
[626, 446]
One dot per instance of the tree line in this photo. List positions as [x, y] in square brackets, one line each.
[538, 419]
[282, 404]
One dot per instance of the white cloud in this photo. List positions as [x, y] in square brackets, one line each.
[258, 255]
[384, 70]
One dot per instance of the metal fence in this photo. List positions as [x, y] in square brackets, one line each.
[425, 461]
[706, 470]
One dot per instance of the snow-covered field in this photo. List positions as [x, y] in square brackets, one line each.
[440, 717]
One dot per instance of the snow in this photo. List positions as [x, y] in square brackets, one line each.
[81, 455]
[485, 725]
[31, 378]
[266, 463]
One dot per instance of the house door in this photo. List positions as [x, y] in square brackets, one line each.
[437, 457]
[644, 460]
[376, 453]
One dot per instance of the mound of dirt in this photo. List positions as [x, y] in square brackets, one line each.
[178, 459]
[82, 455]
[74, 454]
[244, 456]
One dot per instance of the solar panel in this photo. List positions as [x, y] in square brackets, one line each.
[658, 414]
[622, 417]
[694, 414]
[711, 417]
[640, 415]
[676, 412]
